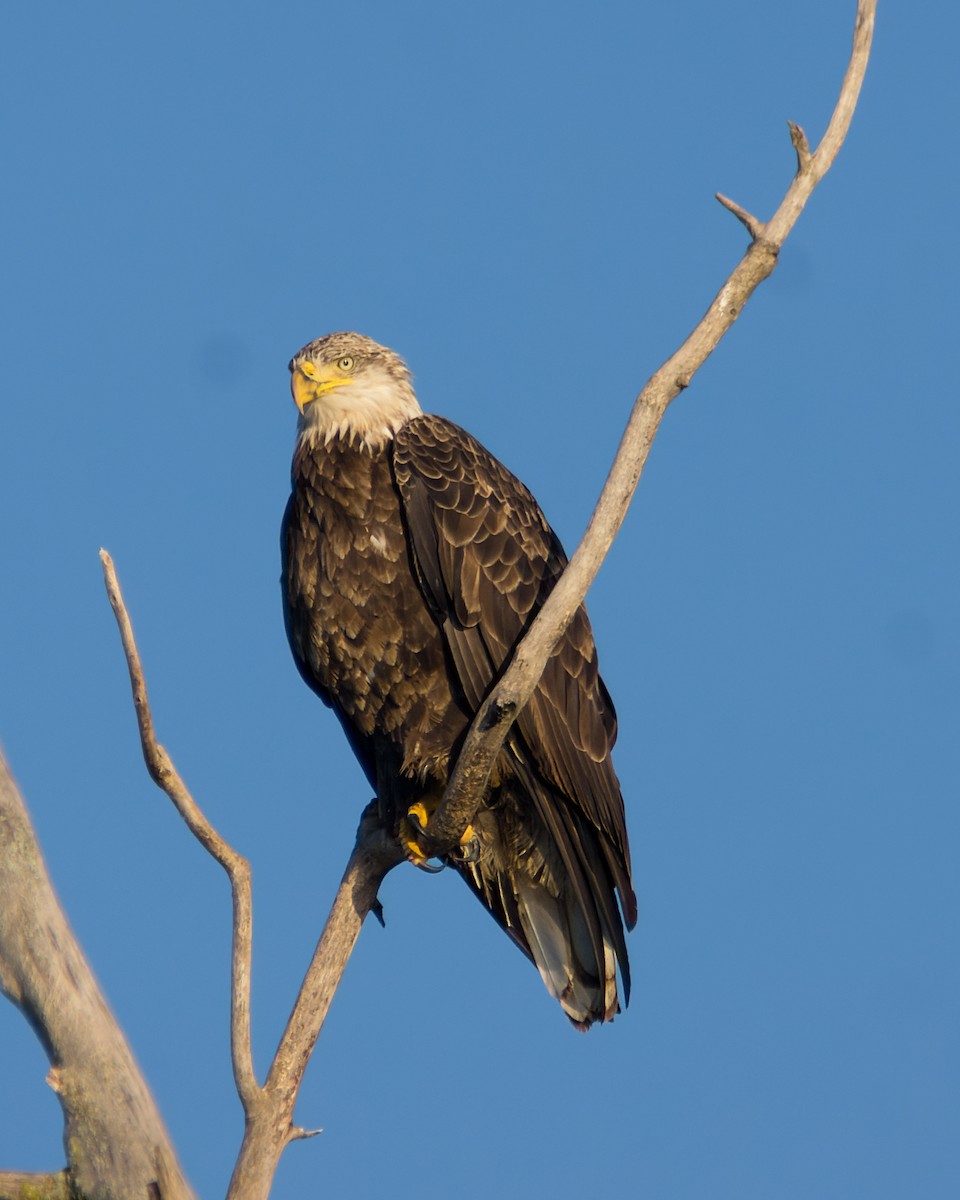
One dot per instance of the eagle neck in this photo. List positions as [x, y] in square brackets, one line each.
[367, 444]
[343, 469]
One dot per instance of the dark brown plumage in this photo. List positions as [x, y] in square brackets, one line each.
[413, 561]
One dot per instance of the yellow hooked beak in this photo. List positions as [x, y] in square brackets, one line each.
[308, 382]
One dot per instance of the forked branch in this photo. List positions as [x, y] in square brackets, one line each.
[268, 1109]
[501, 707]
[166, 776]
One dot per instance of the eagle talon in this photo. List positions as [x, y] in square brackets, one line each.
[468, 850]
[417, 819]
[430, 868]
[418, 816]
[411, 827]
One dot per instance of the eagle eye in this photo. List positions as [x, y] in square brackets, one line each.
[345, 363]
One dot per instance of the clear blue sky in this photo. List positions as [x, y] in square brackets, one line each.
[518, 198]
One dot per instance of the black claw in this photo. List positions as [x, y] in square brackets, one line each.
[430, 868]
[377, 909]
[470, 853]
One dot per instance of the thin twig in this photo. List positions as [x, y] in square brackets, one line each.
[166, 776]
[754, 227]
[492, 723]
[16, 1185]
[801, 145]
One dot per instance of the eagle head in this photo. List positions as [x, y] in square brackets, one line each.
[349, 387]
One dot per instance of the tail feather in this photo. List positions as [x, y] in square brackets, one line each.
[562, 950]
[549, 885]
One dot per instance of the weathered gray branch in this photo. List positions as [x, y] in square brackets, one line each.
[272, 1128]
[117, 1145]
[498, 712]
[268, 1109]
[165, 776]
[31, 1186]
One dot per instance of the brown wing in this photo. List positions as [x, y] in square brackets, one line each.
[486, 559]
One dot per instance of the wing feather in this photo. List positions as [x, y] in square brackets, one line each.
[486, 560]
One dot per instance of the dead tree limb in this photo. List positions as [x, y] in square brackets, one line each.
[33, 1186]
[272, 1129]
[117, 1145]
[269, 1109]
[165, 776]
[493, 721]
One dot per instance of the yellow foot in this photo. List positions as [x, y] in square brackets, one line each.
[415, 823]
[412, 825]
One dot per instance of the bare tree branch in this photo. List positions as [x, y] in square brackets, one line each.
[166, 776]
[117, 1145]
[492, 723]
[31, 1186]
[268, 1110]
[272, 1130]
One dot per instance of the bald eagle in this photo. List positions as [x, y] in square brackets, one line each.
[413, 563]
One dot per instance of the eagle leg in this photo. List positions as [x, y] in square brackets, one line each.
[415, 823]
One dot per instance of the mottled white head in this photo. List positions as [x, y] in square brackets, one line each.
[348, 387]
